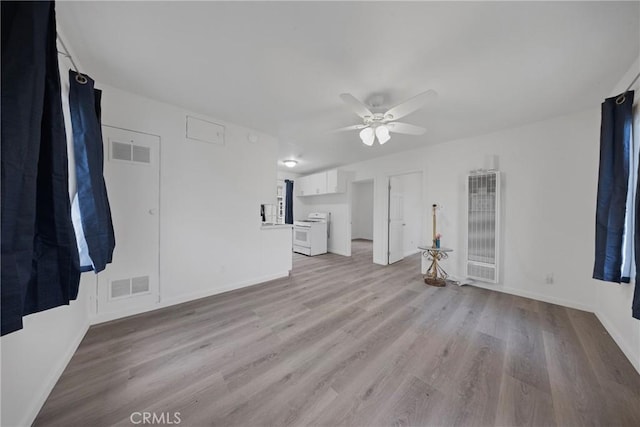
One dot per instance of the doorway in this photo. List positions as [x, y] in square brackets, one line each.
[405, 212]
[362, 217]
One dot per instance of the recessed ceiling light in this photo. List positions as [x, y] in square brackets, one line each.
[290, 163]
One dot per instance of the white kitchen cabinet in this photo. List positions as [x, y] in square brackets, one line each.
[319, 183]
[328, 182]
[336, 181]
[304, 185]
[312, 185]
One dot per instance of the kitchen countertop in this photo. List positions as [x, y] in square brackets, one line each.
[275, 226]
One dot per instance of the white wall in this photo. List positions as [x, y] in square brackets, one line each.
[34, 357]
[550, 178]
[362, 210]
[210, 198]
[209, 220]
[613, 301]
[543, 202]
[282, 175]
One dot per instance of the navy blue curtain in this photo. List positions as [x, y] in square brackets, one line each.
[636, 240]
[93, 203]
[40, 268]
[613, 184]
[288, 213]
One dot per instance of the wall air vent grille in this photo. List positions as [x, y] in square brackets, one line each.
[141, 154]
[129, 152]
[120, 288]
[127, 288]
[120, 151]
[483, 225]
[140, 285]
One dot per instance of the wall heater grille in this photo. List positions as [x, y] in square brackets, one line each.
[483, 225]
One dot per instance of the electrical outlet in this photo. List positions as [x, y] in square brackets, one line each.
[549, 279]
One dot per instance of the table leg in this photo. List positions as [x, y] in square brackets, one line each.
[435, 275]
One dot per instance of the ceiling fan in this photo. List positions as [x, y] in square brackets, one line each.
[380, 124]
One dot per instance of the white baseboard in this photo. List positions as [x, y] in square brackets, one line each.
[106, 317]
[633, 357]
[338, 252]
[53, 377]
[231, 287]
[534, 295]
[411, 252]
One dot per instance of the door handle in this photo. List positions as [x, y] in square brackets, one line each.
[152, 211]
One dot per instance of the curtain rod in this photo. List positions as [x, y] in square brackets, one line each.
[80, 78]
[620, 99]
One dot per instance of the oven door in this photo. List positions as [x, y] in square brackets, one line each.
[302, 236]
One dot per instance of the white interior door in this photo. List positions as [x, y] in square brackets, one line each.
[396, 220]
[132, 176]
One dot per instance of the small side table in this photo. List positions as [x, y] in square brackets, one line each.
[435, 276]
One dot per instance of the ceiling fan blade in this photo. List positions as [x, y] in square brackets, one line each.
[399, 127]
[358, 107]
[352, 127]
[411, 104]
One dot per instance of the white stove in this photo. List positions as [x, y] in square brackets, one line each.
[310, 235]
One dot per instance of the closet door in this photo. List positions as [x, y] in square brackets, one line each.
[132, 175]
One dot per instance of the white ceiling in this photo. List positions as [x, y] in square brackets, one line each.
[280, 67]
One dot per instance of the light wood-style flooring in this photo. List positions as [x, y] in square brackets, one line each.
[344, 342]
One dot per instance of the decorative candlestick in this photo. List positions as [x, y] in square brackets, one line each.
[434, 224]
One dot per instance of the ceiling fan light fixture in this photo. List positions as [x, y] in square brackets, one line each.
[382, 132]
[290, 163]
[378, 125]
[367, 136]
